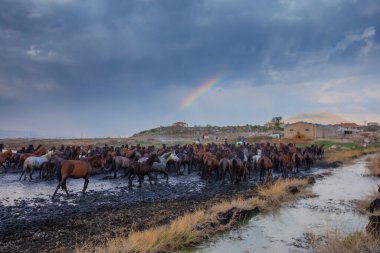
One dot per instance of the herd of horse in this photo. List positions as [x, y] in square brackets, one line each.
[213, 161]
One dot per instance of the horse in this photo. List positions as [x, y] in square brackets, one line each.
[275, 160]
[297, 160]
[174, 160]
[185, 159]
[238, 170]
[211, 163]
[285, 162]
[120, 162]
[4, 156]
[264, 164]
[254, 160]
[40, 150]
[32, 163]
[225, 167]
[308, 159]
[144, 168]
[75, 169]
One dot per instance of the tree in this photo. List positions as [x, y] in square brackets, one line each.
[277, 121]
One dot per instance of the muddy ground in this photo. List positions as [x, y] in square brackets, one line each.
[38, 224]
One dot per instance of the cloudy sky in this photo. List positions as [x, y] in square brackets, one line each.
[108, 68]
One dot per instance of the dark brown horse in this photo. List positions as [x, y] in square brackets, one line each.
[76, 169]
[285, 161]
[239, 171]
[141, 169]
[264, 164]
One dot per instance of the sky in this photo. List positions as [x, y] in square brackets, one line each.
[112, 68]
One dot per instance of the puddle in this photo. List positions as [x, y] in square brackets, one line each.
[283, 230]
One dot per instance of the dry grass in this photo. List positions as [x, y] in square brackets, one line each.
[357, 242]
[374, 166]
[363, 205]
[192, 228]
[278, 193]
[347, 155]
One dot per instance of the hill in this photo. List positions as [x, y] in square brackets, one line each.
[320, 117]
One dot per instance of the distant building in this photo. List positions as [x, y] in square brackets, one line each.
[305, 130]
[180, 124]
[348, 128]
[373, 124]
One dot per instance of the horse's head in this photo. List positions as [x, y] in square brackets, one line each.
[50, 154]
[173, 156]
[153, 158]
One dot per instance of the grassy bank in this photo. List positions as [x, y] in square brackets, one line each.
[192, 228]
[344, 155]
[357, 242]
[374, 166]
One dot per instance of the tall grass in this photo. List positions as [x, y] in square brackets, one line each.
[192, 228]
[374, 166]
[347, 155]
[337, 242]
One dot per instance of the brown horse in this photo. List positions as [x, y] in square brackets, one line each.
[144, 168]
[76, 169]
[211, 164]
[238, 170]
[264, 164]
[308, 159]
[3, 157]
[285, 164]
[225, 167]
[40, 151]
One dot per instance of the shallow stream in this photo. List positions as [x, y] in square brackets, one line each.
[284, 230]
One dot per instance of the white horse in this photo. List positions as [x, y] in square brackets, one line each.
[158, 165]
[255, 159]
[32, 163]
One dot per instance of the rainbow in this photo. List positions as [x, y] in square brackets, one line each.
[189, 99]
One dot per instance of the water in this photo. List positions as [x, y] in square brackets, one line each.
[284, 230]
[12, 190]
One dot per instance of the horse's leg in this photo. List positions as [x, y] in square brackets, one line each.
[56, 189]
[114, 170]
[125, 172]
[22, 173]
[5, 168]
[86, 180]
[141, 179]
[31, 174]
[150, 178]
[130, 180]
[167, 177]
[64, 187]
[223, 176]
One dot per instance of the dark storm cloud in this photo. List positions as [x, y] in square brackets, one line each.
[101, 56]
